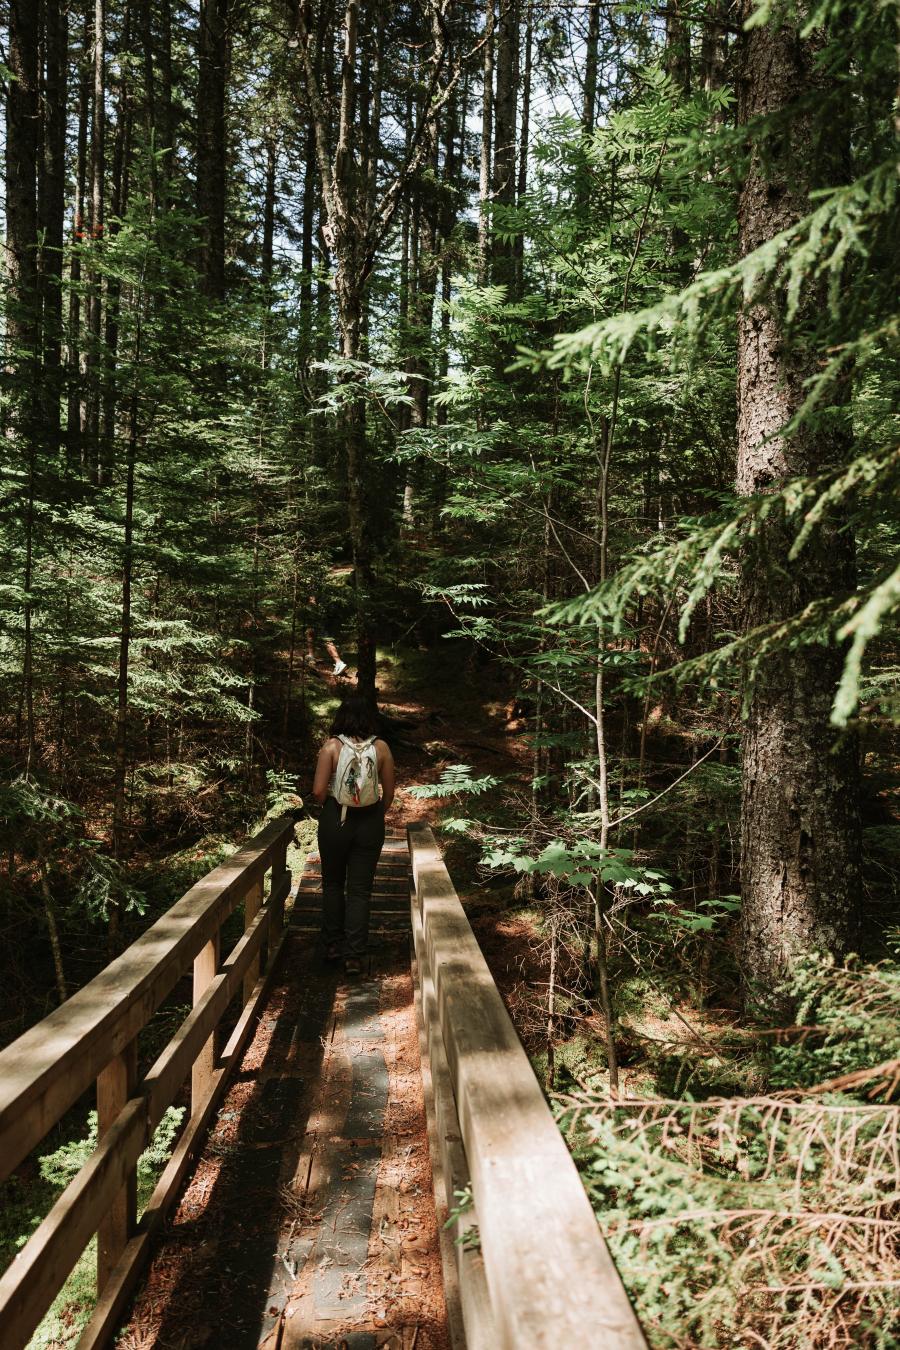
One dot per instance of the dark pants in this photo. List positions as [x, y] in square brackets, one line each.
[349, 855]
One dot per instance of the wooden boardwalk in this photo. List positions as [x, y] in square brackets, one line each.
[315, 1184]
[332, 1128]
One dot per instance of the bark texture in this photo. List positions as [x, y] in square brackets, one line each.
[504, 188]
[800, 818]
[214, 61]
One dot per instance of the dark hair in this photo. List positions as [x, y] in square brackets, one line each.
[357, 716]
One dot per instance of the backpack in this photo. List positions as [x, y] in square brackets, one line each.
[356, 776]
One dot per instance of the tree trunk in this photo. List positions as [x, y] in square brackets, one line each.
[118, 205]
[421, 365]
[51, 213]
[504, 177]
[74, 444]
[524, 131]
[713, 46]
[91, 420]
[166, 112]
[213, 56]
[120, 762]
[800, 819]
[484, 180]
[678, 47]
[23, 314]
[591, 64]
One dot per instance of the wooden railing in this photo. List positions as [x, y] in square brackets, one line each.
[93, 1036]
[538, 1274]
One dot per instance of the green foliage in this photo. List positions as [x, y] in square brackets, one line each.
[460, 1217]
[455, 781]
[854, 1015]
[744, 1217]
[26, 1203]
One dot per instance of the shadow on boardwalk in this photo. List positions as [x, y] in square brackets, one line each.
[309, 1221]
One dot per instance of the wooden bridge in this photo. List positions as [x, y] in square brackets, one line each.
[537, 1274]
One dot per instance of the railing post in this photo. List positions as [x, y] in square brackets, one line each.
[252, 905]
[115, 1085]
[206, 964]
[276, 887]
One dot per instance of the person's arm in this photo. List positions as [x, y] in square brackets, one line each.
[386, 773]
[324, 772]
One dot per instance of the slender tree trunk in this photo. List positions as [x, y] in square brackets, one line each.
[150, 100]
[678, 46]
[267, 251]
[91, 417]
[487, 136]
[166, 112]
[212, 83]
[551, 1003]
[23, 315]
[120, 761]
[524, 131]
[600, 933]
[307, 219]
[713, 46]
[74, 444]
[426, 289]
[800, 841]
[591, 68]
[118, 205]
[504, 176]
[51, 213]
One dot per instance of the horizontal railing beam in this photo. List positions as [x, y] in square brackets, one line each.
[39, 1271]
[549, 1273]
[174, 1063]
[48, 1067]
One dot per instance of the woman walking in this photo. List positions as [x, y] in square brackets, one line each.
[355, 781]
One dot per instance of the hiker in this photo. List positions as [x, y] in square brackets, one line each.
[328, 643]
[340, 665]
[355, 783]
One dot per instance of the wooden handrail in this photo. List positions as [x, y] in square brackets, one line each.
[94, 1036]
[545, 1277]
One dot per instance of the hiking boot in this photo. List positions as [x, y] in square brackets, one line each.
[353, 965]
[333, 953]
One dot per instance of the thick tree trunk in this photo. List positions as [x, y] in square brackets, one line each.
[800, 819]
[214, 56]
